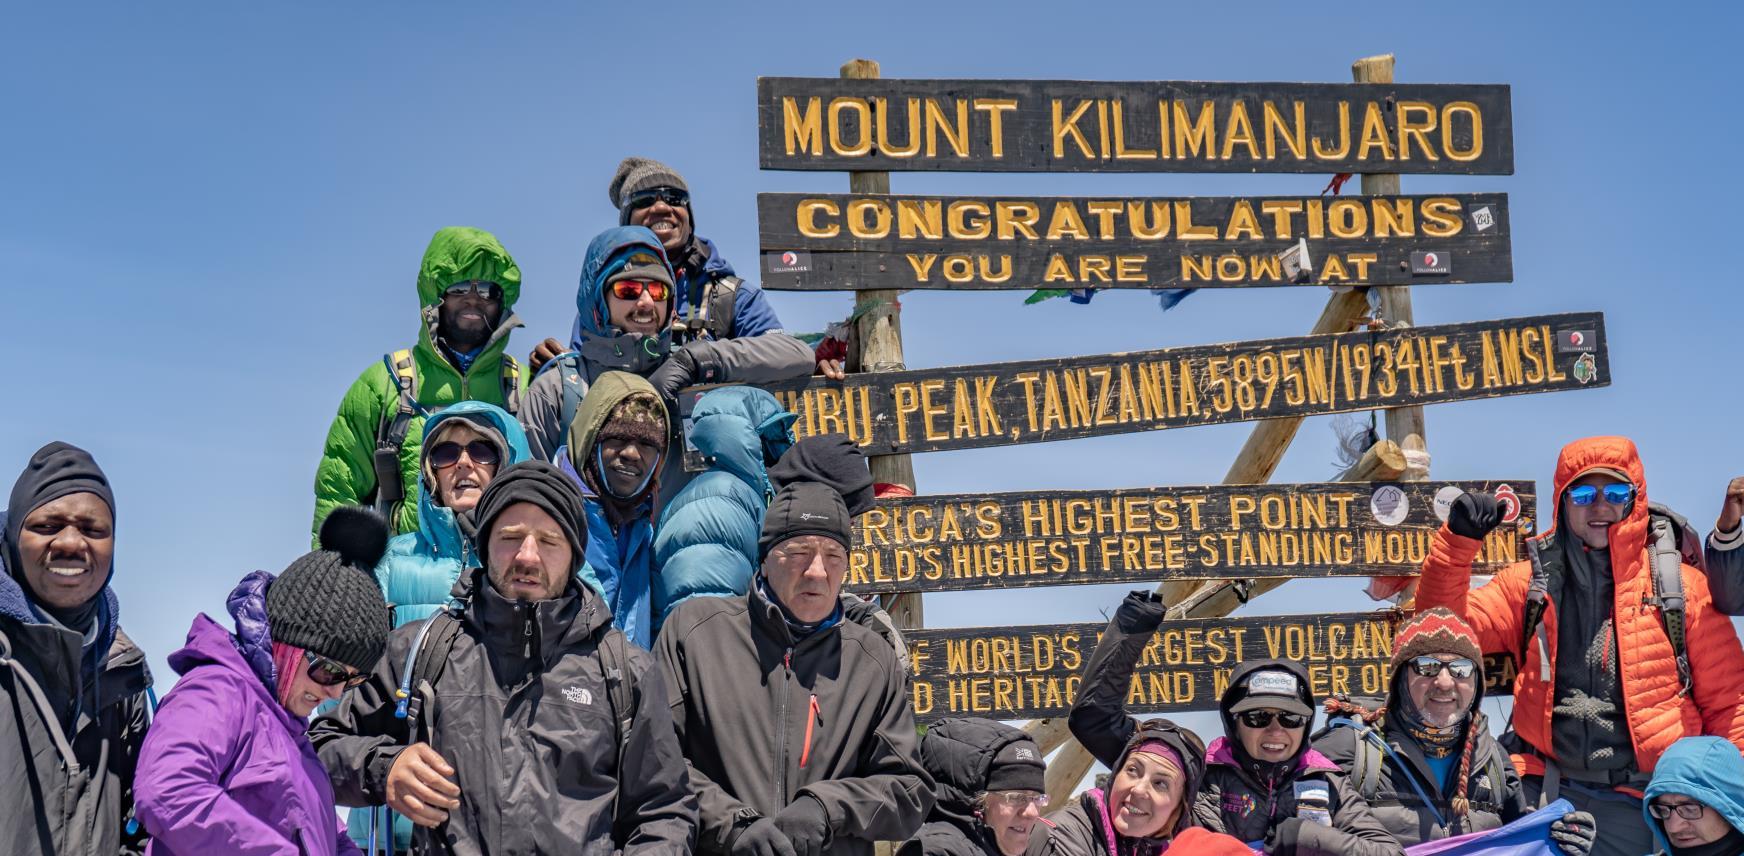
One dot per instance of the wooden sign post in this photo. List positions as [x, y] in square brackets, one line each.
[878, 331]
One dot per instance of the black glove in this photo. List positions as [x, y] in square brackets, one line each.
[1574, 833]
[1140, 612]
[1281, 839]
[762, 838]
[806, 825]
[1474, 515]
[687, 365]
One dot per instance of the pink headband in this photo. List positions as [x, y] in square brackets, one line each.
[1161, 750]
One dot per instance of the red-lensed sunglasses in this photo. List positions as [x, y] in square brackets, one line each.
[631, 289]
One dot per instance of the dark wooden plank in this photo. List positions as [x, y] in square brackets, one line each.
[1032, 672]
[1033, 401]
[819, 242]
[1163, 126]
[1146, 535]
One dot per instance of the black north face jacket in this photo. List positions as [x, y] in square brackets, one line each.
[523, 714]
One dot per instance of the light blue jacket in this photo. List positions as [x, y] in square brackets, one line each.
[1707, 769]
[707, 539]
[420, 567]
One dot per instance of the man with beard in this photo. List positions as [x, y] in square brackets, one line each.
[796, 724]
[72, 685]
[534, 728]
[1613, 671]
[1426, 762]
[467, 287]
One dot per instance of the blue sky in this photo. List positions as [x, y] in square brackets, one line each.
[214, 213]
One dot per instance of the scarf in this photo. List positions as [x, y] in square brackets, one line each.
[1437, 742]
[1732, 844]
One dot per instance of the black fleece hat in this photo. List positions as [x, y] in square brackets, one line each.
[543, 485]
[805, 508]
[1018, 766]
[56, 470]
[328, 601]
[830, 459]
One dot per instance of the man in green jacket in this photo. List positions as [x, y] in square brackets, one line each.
[467, 287]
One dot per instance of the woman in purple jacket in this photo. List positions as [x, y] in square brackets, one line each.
[226, 767]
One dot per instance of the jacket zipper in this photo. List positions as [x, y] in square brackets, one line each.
[812, 716]
[781, 729]
[526, 630]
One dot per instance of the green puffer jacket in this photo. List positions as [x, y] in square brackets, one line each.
[346, 475]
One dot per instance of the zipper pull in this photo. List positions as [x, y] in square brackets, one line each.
[812, 716]
[527, 631]
[788, 659]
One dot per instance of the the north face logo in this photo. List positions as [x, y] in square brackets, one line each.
[578, 695]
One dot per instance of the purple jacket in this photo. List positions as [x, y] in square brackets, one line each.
[225, 768]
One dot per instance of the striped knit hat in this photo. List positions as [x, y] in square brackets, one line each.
[1436, 631]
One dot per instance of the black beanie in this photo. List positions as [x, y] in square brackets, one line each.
[830, 459]
[56, 470]
[543, 485]
[1018, 766]
[328, 601]
[805, 508]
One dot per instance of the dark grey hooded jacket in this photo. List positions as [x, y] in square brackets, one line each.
[958, 753]
[66, 773]
[764, 718]
[1492, 786]
[523, 714]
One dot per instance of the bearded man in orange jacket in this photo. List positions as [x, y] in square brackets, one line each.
[1599, 695]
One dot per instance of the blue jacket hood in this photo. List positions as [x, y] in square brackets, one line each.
[717, 264]
[253, 636]
[1709, 769]
[739, 428]
[436, 524]
[606, 255]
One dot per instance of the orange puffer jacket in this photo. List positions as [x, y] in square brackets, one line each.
[1658, 712]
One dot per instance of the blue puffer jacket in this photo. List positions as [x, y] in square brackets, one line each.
[707, 542]
[420, 567]
[1707, 769]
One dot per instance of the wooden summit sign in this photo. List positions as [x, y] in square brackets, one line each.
[1044, 538]
[1168, 126]
[1033, 401]
[1034, 672]
[842, 241]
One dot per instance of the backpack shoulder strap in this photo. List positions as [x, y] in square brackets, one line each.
[511, 385]
[1667, 568]
[569, 368]
[425, 663]
[391, 432]
[1537, 599]
[620, 681]
[719, 299]
[1365, 763]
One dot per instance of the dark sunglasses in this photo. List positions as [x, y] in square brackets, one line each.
[1263, 718]
[1429, 667]
[670, 195]
[446, 454]
[330, 674]
[1687, 811]
[482, 287]
[1617, 493]
[631, 289]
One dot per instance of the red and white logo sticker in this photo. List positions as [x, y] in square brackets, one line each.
[790, 258]
[1510, 502]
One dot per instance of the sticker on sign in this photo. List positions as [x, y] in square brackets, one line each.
[1576, 342]
[789, 261]
[1434, 262]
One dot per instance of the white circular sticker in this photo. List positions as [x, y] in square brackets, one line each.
[1389, 505]
[1444, 499]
